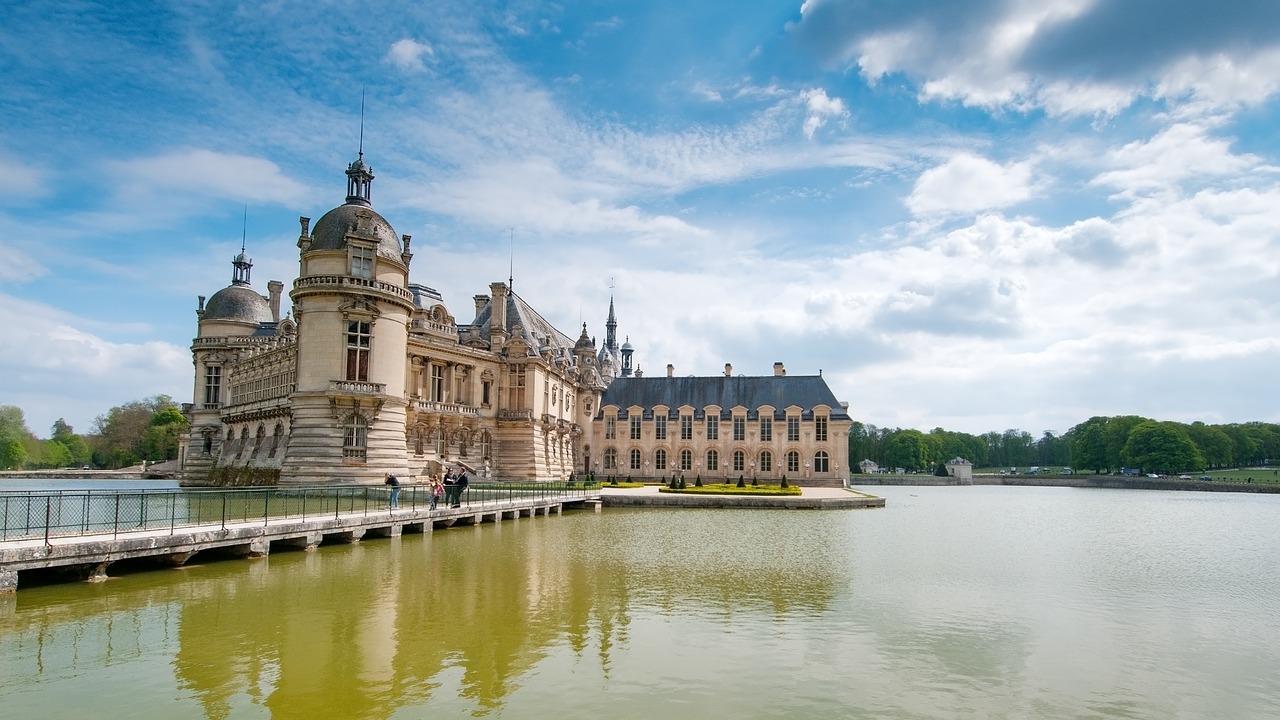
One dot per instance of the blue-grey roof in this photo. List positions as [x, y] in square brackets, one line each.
[751, 392]
[237, 302]
[538, 332]
[330, 231]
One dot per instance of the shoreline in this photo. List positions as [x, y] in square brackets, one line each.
[1074, 481]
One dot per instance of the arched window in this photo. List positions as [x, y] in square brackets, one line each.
[739, 461]
[686, 459]
[793, 462]
[821, 462]
[486, 445]
[635, 458]
[355, 435]
[766, 461]
[437, 438]
[258, 441]
[659, 459]
[244, 442]
[611, 459]
[277, 436]
[713, 461]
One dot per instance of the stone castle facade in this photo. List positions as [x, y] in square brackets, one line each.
[370, 374]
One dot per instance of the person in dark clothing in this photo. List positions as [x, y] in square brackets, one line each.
[394, 483]
[450, 487]
[460, 487]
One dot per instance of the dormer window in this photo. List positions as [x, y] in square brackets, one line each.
[362, 262]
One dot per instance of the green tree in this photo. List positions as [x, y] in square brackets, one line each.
[1214, 444]
[906, 449]
[120, 433]
[1088, 444]
[1116, 436]
[1162, 447]
[12, 454]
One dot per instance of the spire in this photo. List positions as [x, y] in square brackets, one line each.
[360, 175]
[241, 264]
[611, 328]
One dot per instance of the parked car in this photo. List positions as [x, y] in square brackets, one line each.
[1184, 477]
[1206, 478]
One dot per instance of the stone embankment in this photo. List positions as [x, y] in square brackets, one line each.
[1080, 481]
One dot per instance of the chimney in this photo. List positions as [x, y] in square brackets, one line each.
[728, 370]
[671, 370]
[275, 287]
[778, 370]
[481, 301]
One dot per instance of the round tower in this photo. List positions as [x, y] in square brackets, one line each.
[352, 305]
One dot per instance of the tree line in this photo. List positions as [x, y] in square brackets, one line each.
[125, 435]
[1099, 444]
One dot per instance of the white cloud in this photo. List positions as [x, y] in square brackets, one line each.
[968, 183]
[820, 108]
[408, 54]
[1177, 153]
[199, 173]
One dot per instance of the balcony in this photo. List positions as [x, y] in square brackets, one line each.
[443, 408]
[352, 387]
[346, 281]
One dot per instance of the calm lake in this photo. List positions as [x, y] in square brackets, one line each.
[951, 602]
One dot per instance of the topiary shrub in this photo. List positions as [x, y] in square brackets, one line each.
[784, 481]
[672, 485]
[681, 482]
[755, 482]
[697, 481]
[741, 483]
[613, 481]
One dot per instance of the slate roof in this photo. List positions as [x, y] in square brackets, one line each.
[751, 392]
[538, 332]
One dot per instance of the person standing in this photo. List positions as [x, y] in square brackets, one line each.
[450, 485]
[437, 490]
[394, 483]
[460, 487]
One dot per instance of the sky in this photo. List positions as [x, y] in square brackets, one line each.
[978, 215]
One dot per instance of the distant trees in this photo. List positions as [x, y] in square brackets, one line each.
[145, 429]
[1103, 444]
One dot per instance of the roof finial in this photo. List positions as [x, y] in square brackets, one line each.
[511, 264]
[244, 228]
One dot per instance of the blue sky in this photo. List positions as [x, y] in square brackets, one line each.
[978, 215]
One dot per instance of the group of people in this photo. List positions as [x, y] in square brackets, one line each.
[449, 488]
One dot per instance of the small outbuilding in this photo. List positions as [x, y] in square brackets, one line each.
[960, 469]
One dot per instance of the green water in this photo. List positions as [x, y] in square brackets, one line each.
[982, 602]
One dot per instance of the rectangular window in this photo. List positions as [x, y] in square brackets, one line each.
[820, 428]
[686, 427]
[358, 334]
[436, 391]
[213, 385]
[635, 427]
[362, 262]
[484, 392]
[660, 427]
[766, 429]
[739, 428]
[610, 427]
[516, 380]
[766, 462]
[713, 427]
[793, 428]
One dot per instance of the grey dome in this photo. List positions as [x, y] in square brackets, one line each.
[330, 231]
[239, 303]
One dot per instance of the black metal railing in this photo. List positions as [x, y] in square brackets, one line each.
[33, 514]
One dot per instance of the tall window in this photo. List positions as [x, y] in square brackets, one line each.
[361, 262]
[766, 461]
[213, 385]
[436, 391]
[739, 428]
[821, 462]
[358, 337]
[635, 458]
[660, 459]
[686, 459]
[793, 462]
[686, 427]
[438, 440]
[820, 428]
[739, 461]
[635, 427]
[713, 427]
[611, 459]
[766, 429]
[355, 434]
[486, 445]
[516, 380]
[610, 427]
[484, 392]
[713, 461]
[793, 428]
[660, 426]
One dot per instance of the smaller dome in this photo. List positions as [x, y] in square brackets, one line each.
[237, 303]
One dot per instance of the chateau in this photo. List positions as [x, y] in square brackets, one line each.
[370, 374]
